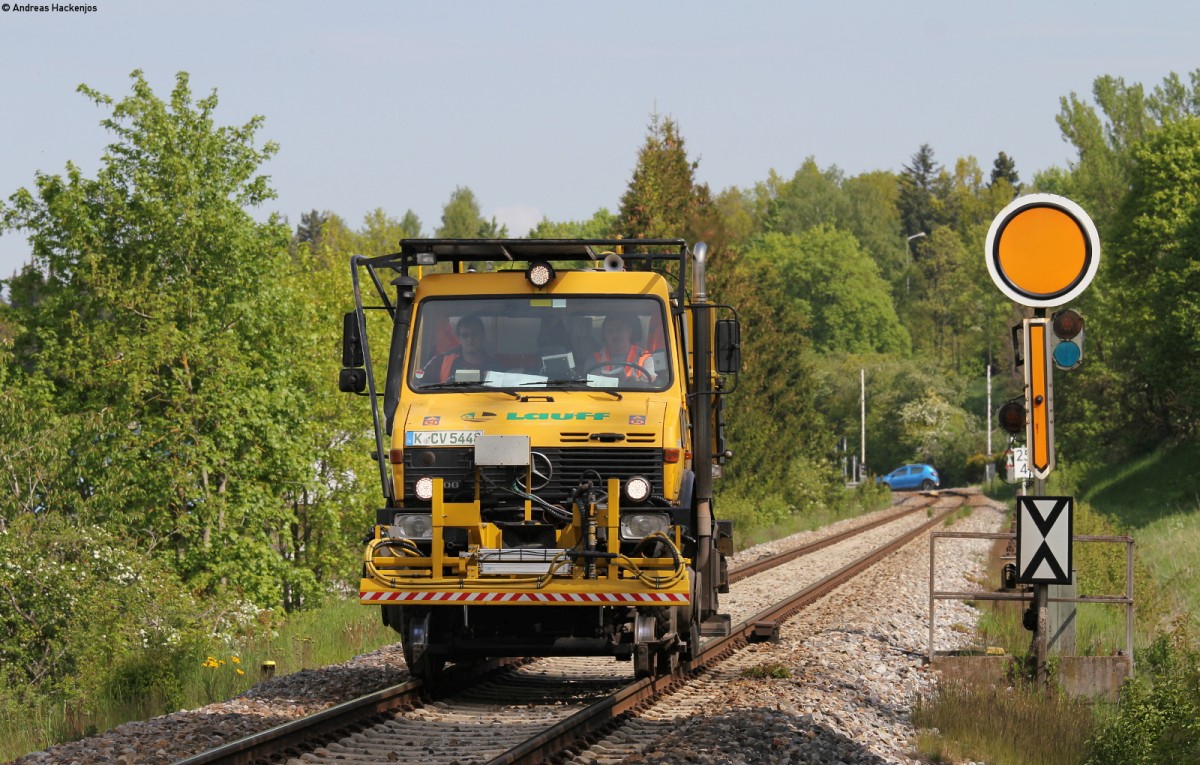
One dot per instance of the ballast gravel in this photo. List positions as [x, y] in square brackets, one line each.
[838, 687]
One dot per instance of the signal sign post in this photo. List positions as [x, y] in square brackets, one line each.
[1042, 251]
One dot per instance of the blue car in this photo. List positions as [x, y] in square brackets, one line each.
[911, 477]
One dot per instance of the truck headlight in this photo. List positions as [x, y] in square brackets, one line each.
[424, 488]
[416, 527]
[637, 489]
[635, 526]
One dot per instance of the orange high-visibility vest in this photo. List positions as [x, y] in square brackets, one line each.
[635, 356]
[448, 365]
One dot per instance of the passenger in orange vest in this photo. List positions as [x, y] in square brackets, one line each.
[617, 335]
[468, 355]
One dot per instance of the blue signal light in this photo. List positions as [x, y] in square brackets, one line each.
[1067, 354]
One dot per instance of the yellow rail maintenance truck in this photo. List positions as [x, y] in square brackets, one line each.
[547, 434]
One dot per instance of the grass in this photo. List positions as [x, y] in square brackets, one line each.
[335, 633]
[1004, 726]
[1157, 500]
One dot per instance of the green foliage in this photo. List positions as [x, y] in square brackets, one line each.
[172, 334]
[1136, 176]
[663, 198]
[874, 219]
[1128, 116]
[1005, 726]
[1154, 250]
[813, 197]
[146, 682]
[769, 670]
[381, 234]
[78, 596]
[922, 182]
[602, 225]
[753, 513]
[1158, 719]
[940, 433]
[1156, 499]
[772, 420]
[461, 218]
[914, 413]
[836, 286]
[1004, 170]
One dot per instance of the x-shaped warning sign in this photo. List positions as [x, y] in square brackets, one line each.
[1044, 528]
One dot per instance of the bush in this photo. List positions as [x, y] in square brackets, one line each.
[83, 602]
[1159, 716]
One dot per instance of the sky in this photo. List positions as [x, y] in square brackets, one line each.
[540, 107]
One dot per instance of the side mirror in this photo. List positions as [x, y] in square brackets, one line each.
[352, 380]
[729, 346]
[352, 348]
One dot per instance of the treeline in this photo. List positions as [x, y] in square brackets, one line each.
[177, 462]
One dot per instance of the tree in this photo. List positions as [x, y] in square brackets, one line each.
[176, 336]
[920, 191]
[1153, 301]
[381, 234]
[811, 198]
[736, 210]
[776, 378]
[309, 230]
[663, 198]
[599, 226]
[410, 225]
[461, 218]
[873, 217]
[1099, 179]
[1134, 184]
[837, 287]
[1004, 168]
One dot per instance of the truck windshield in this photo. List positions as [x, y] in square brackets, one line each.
[521, 343]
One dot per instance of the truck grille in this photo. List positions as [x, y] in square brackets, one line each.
[570, 466]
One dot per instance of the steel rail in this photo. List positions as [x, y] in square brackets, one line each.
[610, 709]
[350, 715]
[778, 559]
[294, 737]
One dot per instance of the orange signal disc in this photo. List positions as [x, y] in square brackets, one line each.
[1042, 251]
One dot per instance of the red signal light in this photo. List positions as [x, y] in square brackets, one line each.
[1012, 417]
[1067, 324]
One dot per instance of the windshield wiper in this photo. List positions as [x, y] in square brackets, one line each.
[479, 386]
[570, 384]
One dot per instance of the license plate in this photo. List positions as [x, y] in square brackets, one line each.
[441, 437]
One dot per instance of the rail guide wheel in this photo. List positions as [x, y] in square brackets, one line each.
[417, 630]
[691, 641]
[656, 642]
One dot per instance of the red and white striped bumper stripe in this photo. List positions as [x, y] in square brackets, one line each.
[523, 597]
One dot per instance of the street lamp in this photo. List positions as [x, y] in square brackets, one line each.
[908, 257]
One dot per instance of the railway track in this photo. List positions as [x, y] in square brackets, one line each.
[534, 711]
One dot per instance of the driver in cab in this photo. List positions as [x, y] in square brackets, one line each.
[620, 356]
[469, 355]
